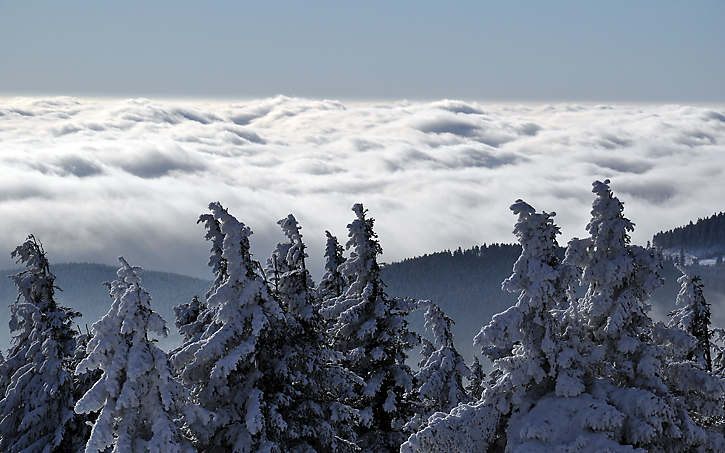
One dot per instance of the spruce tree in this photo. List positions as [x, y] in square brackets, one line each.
[332, 283]
[37, 401]
[79, 429]
[628, 369]
[189, 318]
[442, 370]
[693, 317]
[524, 342]
[136, 397]
[304, 382]
[223, 364]
[369, 329]
[596, 375]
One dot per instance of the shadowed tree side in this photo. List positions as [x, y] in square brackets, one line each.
[37, 401]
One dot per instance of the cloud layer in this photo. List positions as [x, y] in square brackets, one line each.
[94, 179]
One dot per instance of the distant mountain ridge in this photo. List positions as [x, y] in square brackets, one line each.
[466, 284]
[706, 237]
[83, 290]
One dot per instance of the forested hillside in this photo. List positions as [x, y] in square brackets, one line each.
[708, 233]
[466, 284]
[267, 359]
[83, 290]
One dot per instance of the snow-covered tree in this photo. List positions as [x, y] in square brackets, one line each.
[622, 391]
[476, 380]
[332, 284]
[693, 317]
[523, 343]
[217, 261]
[79, 429]
[304, 382]
[369, 328]
[442, 369]
[192, 318]
[37, 401]
[597, 375]
[189, 318]
[222, 364]
[136, 397]
[291, 281]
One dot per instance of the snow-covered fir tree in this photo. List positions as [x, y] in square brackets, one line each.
[690, 367]
[476, 380]
[624, 388]
[190, 319]
[332, 284]
[304, 383]
[442, 370]
[693, 317]
[370, 330]
[624, 353]
[217, 261]
[608, 380]
[136, 397]
[522, 342]
[37, 400]
[286, 268]
[79, 429]
[221, 365]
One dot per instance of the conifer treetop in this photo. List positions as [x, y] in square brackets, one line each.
[36, 403]
[362, 267]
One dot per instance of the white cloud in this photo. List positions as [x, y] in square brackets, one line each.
[97, 178]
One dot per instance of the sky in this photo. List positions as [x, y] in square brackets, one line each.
[121, 121]
[522, 51]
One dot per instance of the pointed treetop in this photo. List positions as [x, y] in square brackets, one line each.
[362, 267]
[31, 253]
[296, 253]
[608, 224]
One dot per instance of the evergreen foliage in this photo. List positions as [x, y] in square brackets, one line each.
[596, 375]
[332, 284]
[80, 427]
[187, 318]
[136, 397]
[524, 341]
[693, 317]
[370, 331]
[621, 358]
[222, 363]
[273, 363]
[442, 370]
[705, 233]
[37, 400]
[307, 382]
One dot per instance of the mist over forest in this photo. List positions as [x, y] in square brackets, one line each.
[560, 333]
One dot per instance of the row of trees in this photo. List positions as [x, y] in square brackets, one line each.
[705, 233]
[272, 362]
[590, 373]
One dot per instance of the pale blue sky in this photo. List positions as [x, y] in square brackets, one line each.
[540, 51]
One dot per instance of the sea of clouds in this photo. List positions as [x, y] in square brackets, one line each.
[94, 179]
